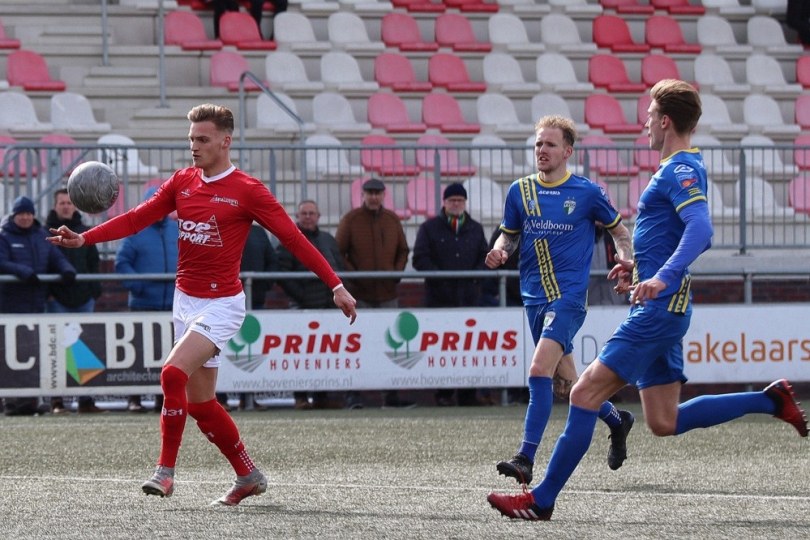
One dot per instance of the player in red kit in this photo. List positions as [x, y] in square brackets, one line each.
[216, 204]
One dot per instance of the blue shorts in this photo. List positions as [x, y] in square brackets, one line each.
[647, 348]
[559, 320]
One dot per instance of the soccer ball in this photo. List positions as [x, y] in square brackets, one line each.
[93, 187]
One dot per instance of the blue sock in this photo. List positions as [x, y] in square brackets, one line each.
[609, 414]
[537, 412]
[568, 452]
[707, 411]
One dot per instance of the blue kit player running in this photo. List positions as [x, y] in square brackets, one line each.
[672, 230]
[551, 215]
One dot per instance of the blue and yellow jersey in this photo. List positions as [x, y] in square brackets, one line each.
[679, 181]
[556, 224]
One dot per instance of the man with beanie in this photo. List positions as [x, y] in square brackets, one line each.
[25, 253]
[451, 240]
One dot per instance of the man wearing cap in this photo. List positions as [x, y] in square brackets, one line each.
[371, 238]
[25, 252]
[451, 240]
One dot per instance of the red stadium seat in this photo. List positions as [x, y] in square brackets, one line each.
[662, 32]
[635, 188]
[420, 6]
[472, 6]
[420, 194]
[448, 157]
[65, 159]
[186, 30]
[803, 71]
[448, 71]
[226, 68]
[384, 161]
[611, 32]
[642, 105]
[605, 112]
[239, 29]
[655, 67]
[799, 194]
[400, 30]
[7, 42]
[605, 160]
[396, 72]
[801, 154]
[388, 111]
[442, 111]
[608, 71]
[16, 167]
[454, 30]
[803, 111]
[29, 70]
[645, 158]
[627, 7]
[678, 7]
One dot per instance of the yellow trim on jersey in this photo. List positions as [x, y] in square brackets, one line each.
[546, 268]
[553, 184]
[680, 300]
[690, 201]
[693, 150]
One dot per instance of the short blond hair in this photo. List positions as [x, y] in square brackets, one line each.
[566, 125]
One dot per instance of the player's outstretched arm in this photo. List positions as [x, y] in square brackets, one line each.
[64, 237]
[346, 302]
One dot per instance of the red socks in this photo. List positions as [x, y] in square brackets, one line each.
[218, 426]
[173, 416]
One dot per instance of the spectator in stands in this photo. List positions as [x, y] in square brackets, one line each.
[256, 8]
[25, 253]
[798, 18]
[153, 250]
[452, 240]
[310, 293]
[371, 238]
[78, 297]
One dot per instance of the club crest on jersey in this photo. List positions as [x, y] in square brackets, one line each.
[532, 204]
[569, 205]
[549, 318]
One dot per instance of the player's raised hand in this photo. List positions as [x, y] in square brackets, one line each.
[66, 238]
[495, 258]
[622, 272]
[346, 302]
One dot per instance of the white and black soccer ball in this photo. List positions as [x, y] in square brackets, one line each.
[93, 187]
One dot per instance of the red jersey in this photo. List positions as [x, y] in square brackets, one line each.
[214, 219]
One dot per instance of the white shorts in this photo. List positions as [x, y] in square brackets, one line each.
[218, 319]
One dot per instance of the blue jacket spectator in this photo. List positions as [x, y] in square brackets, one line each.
[151, 251]
[25, 252]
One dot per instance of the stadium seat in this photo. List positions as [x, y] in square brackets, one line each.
[239, 29]
[604, 158]
[761, 201]
[18, 115]
[472, 6]
[330, 159]
[717, 207]
[333, 112]
[556, 73]
[576, 8]
[225, 69]
[496, 113]
[449, 71]
[502, 73]
[716, 119]
[315, 8]
[605, 112]
[20, 164]
[5, 41]
[395, 71]
[729, 9]
[401, 31]
[57, 159]
[271, 116]
[125, 160]
[716, 34]
[611, 32]
[347, 31]
[420, 193]
[656, 67]
[763, 158]
[484, 198]
[801, 152]
[803, 71]
[627, 7]
[559, 32]
[442, 111]
[678, 7]
[341, 72]
[802, 111]
[384, 161]
[454, 30]
[715, 158]
[449, 163]
[388, 111]
[644, 157]
[765, 34]
[770, 7]
[642, 108]
[508, 33]
[608, 71]
[186, 30]
[29, 70]
[491, 156]
[525, 7]
[293, 31]
[765, 75]
[420, 6]
[635, 188]
[548, 103]
[356, 189]
[799, 194]
[285, 71]
[73, 113]
[662, 32]
[763, 115]
[713, 74]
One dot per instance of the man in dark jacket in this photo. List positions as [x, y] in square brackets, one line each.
[25, 253]
[451, 240]
[259, 255]
[310, 293]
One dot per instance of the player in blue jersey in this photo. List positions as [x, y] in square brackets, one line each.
[672, 230]
[551, 216]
